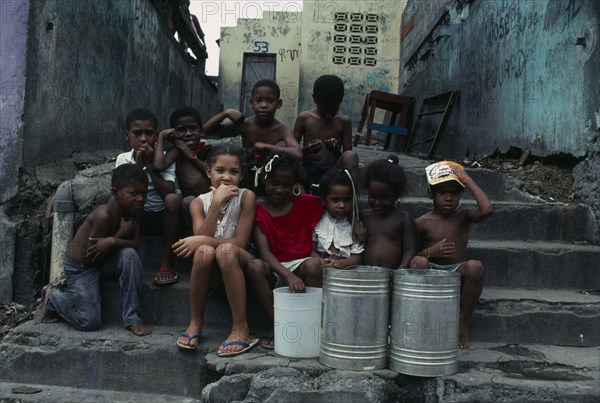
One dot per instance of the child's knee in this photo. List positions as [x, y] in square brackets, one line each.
[89, 321]
[204, 254]
[474, 270]
[172, 202]
[419, 262]
[313, 268]
[226, 253]
[256, 268]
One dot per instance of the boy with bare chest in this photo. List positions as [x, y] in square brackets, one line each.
[104, 246]
[443, 234]
[261, 134]
[327, 133]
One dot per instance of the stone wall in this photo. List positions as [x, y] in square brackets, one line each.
[527, 72]
[71, 70]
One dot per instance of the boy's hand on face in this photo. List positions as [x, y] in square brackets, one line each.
[145, 154]
[184, 149]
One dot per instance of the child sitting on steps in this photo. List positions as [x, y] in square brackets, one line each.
[222, 223]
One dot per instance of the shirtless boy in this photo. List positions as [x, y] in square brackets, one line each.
[190, 171]
[391, 238]
[262, 134]
[104, 246]
[327, 133]
[443, 234]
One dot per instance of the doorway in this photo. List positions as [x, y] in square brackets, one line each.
[256, 67]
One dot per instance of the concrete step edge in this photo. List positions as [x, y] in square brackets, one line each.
[52, 393]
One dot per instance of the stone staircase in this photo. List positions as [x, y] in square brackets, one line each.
[542, 282]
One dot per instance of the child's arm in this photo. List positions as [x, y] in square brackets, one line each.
[484, 205]
[215, 124]
[264, 251]
[291, 145]
[127, 236]
[346, 133]
[409, 241]
[162, 161]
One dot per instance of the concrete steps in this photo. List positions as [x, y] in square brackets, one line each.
[112, 364]
[535, 333]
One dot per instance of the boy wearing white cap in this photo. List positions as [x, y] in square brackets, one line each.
[443, 233]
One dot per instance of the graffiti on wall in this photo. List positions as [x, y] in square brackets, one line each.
[291, 54]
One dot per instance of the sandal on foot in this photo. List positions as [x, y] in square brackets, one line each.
[267, 342]
[245, 347]
[166, 281]
[190, 337]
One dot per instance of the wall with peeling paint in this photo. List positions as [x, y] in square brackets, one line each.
[313, 32]
[527, 72]
[89, 63]
[276, 33]
[318, 40]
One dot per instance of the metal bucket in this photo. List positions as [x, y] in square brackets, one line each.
[424, 326]
[355, 317]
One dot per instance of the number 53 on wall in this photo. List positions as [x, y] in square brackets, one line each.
[261, 47]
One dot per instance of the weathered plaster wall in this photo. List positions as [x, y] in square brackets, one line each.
[71, 71]
[276, 33]
[13, 47]
[318, 41]
[89, 63]
[527, 71]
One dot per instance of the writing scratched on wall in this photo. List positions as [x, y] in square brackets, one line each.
[291, 54]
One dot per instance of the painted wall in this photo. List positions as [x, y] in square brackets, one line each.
[89, 63]
[276, 33]
[13, 48]
[70, 72]
[306, 47]
[527, 72]
[319, 30]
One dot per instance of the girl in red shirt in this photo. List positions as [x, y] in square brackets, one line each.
[283, 228]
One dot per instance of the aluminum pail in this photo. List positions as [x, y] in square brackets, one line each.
[424, 324]
[355, 317]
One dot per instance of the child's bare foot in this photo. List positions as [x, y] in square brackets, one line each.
[139, 329]
[47, 316]
[463, 336]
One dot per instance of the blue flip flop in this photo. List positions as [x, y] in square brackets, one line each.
[246, 347]
[190, 338]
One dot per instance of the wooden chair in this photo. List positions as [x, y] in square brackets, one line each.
[397, 104]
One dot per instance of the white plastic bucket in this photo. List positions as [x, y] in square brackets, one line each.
[297, 322]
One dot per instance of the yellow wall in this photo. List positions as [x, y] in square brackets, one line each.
[276, 33]
[310, 37]
[318, 41]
